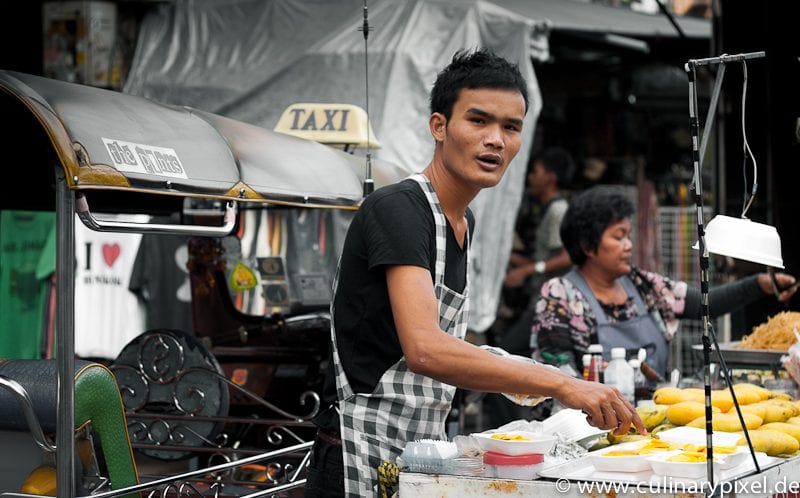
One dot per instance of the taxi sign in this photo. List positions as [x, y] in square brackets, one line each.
[331, 124]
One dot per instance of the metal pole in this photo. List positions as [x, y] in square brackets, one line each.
[65, 342]
[698, 199]
[725, 58]
[691, 68]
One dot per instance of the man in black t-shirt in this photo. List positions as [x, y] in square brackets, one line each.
[399, 313]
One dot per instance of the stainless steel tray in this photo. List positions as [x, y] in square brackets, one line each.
[734, 355]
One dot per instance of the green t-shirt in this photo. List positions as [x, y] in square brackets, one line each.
[23, 289]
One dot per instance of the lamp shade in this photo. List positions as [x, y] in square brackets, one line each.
[743, 239]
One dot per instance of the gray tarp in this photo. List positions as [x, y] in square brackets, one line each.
[250, 59]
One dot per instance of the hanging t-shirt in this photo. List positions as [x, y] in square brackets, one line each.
[107, 314]
[22, 295]
[161, 280]
[46, 272]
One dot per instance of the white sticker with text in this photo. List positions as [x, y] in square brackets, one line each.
[146, 159]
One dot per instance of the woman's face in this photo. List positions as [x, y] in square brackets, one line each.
[613, 253]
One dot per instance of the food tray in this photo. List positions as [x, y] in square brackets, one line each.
[582, 469]
[628, 464]
[661, 466]
[734, 355]
[532, 443]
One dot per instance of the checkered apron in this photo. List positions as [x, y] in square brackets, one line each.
[404, 406]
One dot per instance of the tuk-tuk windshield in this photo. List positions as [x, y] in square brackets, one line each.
[283, 259]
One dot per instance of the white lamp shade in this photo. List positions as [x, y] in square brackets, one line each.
[743, 239]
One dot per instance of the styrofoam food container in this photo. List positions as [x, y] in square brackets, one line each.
[632, 463]
[534, 442]
[524, 467]
[696, 469]
[694, 435]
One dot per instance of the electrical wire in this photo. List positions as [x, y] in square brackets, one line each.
[746, 150]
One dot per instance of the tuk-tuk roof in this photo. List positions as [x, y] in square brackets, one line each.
[107, 140]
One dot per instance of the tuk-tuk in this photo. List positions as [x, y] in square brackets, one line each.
[225, 407]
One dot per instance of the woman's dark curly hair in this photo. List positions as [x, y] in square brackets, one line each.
[587, 217]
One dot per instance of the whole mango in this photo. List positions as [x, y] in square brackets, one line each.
[727, 422]
[685, 411]
[652, 415]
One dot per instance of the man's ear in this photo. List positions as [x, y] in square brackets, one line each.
[438, 126]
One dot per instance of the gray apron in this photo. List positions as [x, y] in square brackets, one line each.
[640, 332]
[404, 406]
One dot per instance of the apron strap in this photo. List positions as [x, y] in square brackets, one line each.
[576, 278]
[439, 221]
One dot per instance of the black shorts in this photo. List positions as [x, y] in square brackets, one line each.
[325, 469]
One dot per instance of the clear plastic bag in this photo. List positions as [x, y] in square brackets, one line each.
[519, 399]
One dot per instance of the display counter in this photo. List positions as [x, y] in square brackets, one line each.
[779, 477]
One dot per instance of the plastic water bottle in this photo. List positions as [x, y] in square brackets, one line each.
[596, 363]
[641, 388]
[620, 375]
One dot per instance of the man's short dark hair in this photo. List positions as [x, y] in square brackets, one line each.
[588, 216]
[559, 161]
[478, 69]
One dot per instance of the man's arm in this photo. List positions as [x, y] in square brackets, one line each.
[431, 352]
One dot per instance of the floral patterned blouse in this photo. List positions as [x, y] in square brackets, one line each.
[565, 323]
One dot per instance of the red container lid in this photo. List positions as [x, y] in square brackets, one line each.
[492, 458]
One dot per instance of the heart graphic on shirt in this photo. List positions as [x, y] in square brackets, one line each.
[110, 253]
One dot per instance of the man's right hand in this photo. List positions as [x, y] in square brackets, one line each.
[605, 407]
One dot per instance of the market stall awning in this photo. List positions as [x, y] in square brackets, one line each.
[572, 15]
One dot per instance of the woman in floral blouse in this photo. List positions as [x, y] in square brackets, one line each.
[606, 300]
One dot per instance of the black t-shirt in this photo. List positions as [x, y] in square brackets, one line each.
[394, 226]
[161, 280]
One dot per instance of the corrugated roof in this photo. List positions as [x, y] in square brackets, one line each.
[571, 15]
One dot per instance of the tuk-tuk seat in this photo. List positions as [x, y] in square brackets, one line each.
[28, 395]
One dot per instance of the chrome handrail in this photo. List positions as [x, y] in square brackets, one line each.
[200, 472]
[16, 389]
[99, 225]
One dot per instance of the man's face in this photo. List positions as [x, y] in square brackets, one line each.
[539, 178]
[483, 135]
